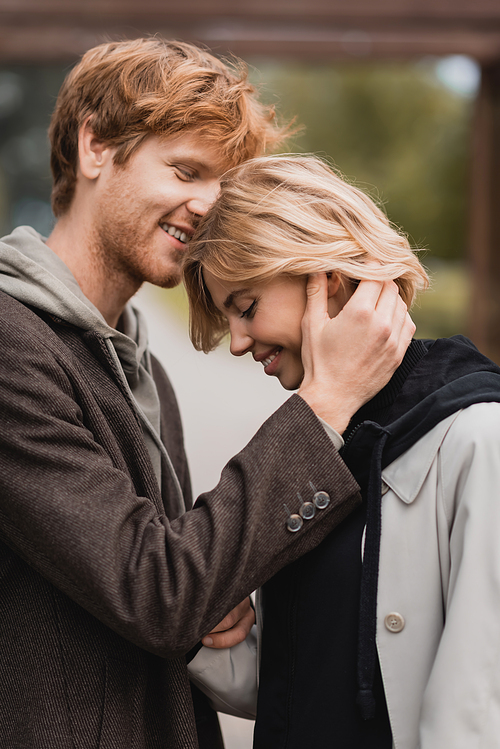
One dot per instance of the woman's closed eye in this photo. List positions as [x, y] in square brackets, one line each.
[249, 311]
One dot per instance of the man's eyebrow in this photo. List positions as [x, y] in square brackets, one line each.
[232, 296]
[194, 161]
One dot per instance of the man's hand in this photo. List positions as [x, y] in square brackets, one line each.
[233, 628]
[349, 358]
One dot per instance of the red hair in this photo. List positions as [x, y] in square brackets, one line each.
[133, 89]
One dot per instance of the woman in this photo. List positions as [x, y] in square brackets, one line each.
[387, 633]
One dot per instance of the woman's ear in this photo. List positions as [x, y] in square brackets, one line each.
[337, 295]
[92, 152]
[333, 283]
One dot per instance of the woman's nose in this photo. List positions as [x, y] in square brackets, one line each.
[241, 342]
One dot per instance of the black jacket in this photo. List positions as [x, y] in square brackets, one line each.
[320, 680]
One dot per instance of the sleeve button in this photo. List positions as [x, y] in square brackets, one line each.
[294, 523]
[321, 500]
[307, 510]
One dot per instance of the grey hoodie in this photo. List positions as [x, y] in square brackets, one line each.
[33, 274]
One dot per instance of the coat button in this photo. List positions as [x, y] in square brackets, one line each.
[321, 500]
[307, 510]
[294, 523]
[394, 622]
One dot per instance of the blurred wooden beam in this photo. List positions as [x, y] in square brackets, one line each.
[61, 30]
[60, 44]
[393, 11]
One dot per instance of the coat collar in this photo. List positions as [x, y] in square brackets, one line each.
[406, 474]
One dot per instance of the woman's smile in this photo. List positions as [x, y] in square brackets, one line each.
[267, 359]
[269, 369]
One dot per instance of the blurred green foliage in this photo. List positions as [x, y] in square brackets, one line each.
[442, 310]
[392, 129]
[27, 97]
[397, 132]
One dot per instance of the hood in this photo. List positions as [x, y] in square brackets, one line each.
[34, 275]
[440, 378]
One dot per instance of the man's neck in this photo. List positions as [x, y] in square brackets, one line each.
[72, 243]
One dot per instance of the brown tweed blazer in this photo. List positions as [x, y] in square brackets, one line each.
[101, 593]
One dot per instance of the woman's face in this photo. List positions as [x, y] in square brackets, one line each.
[265, 320]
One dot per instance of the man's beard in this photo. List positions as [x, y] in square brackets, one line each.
[123, 252]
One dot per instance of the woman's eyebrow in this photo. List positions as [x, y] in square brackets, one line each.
[232, 296]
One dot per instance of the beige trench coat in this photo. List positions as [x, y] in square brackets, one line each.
[438, 629]
[440, 574]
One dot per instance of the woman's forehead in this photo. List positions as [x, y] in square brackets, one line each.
[224, 293]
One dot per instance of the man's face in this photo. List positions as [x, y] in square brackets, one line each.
[145, 211]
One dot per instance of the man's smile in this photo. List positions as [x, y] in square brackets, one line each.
[175, 232]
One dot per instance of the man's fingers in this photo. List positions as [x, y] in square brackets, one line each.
[232, 636]
[234, 616]
[388, 299]
[394, 311]
[400, 317]
[384, 299]
[317, 296]
[408, 329]
[367, 295]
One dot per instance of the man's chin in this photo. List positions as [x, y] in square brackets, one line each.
[170, 283]
[165, 281]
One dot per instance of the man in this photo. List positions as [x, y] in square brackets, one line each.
[107, 581]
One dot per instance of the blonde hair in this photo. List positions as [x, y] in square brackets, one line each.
[291, 215]
[133, 89]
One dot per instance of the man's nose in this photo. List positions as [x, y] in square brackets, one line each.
[205, 196]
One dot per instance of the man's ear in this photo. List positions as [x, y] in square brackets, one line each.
[93, 153]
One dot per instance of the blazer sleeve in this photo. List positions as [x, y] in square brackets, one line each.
[71, 512]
